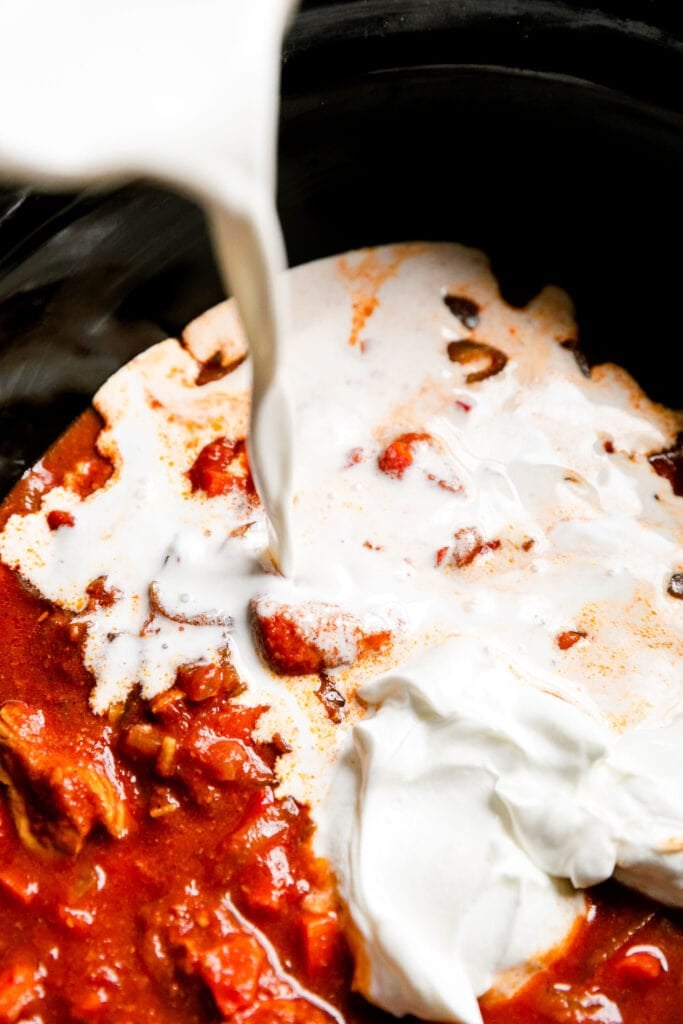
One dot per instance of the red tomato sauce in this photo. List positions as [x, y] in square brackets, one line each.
[149, 873]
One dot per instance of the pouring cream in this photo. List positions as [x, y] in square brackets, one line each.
[185, 92]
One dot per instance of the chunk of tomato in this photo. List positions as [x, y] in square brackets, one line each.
[267, 881]
[232, 971]
[320, 940]
[398, 456]
[640, 966]
[288, 1011]
[17, 991]
[222, 466]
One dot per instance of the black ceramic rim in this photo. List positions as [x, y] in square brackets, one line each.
[634, 46]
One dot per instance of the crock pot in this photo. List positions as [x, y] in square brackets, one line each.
[548, 134]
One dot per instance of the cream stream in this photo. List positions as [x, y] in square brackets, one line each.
[186, 92]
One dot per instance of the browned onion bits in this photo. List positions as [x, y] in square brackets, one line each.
[331, 699]
[572, 345]
[215, 368]
[669, 464]
[675, 588]
[465, 309]
[492, 360]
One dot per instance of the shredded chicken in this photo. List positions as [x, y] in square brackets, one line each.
[56, 800]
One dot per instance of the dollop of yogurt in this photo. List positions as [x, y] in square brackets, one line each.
[470, 503]
[460, 803]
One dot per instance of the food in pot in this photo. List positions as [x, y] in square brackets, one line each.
[231, 796]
